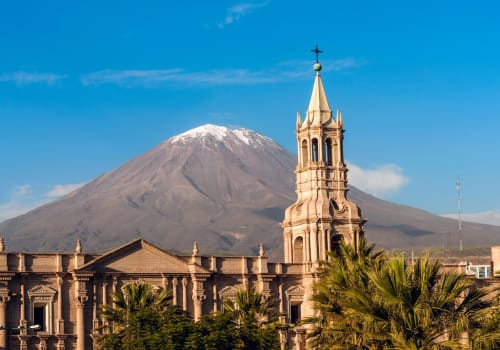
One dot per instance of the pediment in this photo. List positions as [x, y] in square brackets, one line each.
[295, 291]
[41, 291]
[228, 292]
[138, 257]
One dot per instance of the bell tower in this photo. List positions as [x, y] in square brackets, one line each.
[322, 214]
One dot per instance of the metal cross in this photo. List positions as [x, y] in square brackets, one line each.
[317, 51]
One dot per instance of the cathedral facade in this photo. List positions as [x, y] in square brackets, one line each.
[51, 301]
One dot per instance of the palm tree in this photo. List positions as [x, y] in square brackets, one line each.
[251, 307]
[134, 317]
[423, 308]
[383, 303]
[255, 318]
[339, 326]
[485, 334]
[132, 298]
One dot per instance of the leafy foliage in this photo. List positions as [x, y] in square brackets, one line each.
[368, 301]
[141, 318]
[254, 319]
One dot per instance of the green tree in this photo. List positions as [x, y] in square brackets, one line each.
[132, 298]
[215, 332]
[254, 318]
[486, 331]
[142, 318]
[367, 301]
[338, 325]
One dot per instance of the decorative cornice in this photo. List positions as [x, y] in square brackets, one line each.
[6, 276]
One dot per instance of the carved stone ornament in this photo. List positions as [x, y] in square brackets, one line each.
[228, 292]
[41, 293]
[295, 293]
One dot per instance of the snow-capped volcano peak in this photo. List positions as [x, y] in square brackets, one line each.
[224, 134]
[218, 132]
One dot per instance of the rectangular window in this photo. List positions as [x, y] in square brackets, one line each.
[295, 313]
[39, 317]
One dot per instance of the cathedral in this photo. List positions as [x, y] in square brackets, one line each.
[51, 300]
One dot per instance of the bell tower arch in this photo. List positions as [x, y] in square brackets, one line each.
[322, 214]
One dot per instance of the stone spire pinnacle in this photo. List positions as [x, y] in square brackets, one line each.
[78, 248]
[318, 113]
[318, 102]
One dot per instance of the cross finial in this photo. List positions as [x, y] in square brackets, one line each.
[317, 51]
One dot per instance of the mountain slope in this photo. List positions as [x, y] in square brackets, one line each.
[226, 189]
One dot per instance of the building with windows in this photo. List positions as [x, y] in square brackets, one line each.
[51, 301]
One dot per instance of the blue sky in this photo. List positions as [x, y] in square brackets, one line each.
[87, 85]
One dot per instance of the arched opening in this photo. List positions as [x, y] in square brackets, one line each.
[298, 250]
[315, 150]
[328, 151]
[304, 153]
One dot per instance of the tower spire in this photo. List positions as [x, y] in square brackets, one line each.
[318, 102]
[322, 214]
[319, 111]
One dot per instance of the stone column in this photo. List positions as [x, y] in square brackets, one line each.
[80, 322]
[22, 308]
[104, 291]
[23, 341]
[198, 294]
[175, 281]
[300, 338]
[307, 246]
[164, 281]
[43, 341]
[95, 321]
[80, 299]
[114, 286]
[214, 297]
[60, 320]
[280, 300]
[104, 298]
[5, 277]
[4, 299]
[283, 338]
[60, 342]
[184, 293]
[314, 245]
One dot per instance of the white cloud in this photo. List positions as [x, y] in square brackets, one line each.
[490, 217]
[22, 190]
[20, 201]
[234, 13]
[157, 77]
[62, 190]
[129, 78]
[25, 78]
[284, 71]
[380, 181]
[12, 209]
[23, 199]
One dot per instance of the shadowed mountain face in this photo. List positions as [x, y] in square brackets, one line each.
[226, 189]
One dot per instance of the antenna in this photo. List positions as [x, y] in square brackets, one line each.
[459, 208]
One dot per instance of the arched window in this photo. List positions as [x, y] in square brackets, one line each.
[328, 151]
[304, 153]
[314, 150]
[298, 250]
